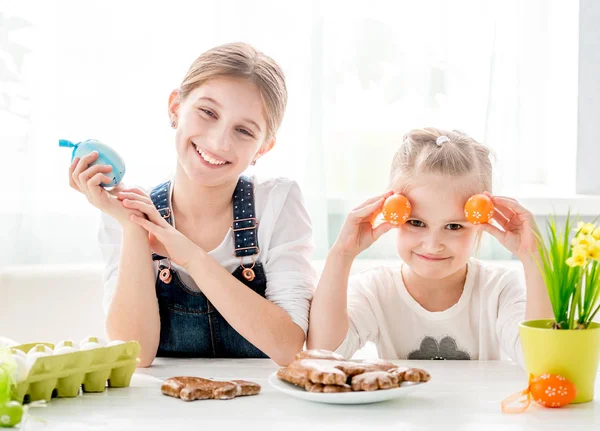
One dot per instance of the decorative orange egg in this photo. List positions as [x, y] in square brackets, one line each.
[552, 390]
[396, 209]
[479, 209]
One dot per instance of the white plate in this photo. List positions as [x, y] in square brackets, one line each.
[362, 397]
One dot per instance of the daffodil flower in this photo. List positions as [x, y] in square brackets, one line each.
[585, 228]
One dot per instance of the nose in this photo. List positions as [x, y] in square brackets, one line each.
[432, 243]
[218, 138]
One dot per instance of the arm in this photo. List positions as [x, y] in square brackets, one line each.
[518, 236]
[511, 305]
[351, 321]
[538, 301]
[133, 310]
[274, 324]
[263, 323]
[329, 311]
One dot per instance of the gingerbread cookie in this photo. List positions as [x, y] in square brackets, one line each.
[197, 388]
[319, 387]
[414, 375]
[319, 354]
[323, 371]
[374, 380]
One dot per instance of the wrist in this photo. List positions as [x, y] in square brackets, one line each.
[134, 231]
[531, 260]
[338, 253]
[197, 260]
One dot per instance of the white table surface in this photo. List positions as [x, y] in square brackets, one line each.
[462, 395]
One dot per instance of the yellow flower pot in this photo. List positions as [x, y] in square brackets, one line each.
[574, 354]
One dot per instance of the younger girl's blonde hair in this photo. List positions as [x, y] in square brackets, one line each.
[458, 156]
[240, 60]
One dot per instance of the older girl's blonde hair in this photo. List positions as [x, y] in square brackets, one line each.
[459, 156]
[240, 60]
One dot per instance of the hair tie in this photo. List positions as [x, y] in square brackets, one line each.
[441, 139]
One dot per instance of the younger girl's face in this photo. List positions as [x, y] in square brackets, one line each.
[221, 129]
[436, 241]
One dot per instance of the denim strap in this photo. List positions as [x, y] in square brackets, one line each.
[245, 224]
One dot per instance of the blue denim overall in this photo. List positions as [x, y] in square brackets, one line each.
[190, 326]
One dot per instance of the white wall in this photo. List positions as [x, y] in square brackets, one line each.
[55, 302]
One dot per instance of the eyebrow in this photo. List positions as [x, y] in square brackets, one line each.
[247, 120]
[461, 220]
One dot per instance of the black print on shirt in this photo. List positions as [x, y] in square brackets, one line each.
[445, 349]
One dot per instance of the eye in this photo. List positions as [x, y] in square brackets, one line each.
[454, 226]
[245, 132]
[416, 223]
[208, 112]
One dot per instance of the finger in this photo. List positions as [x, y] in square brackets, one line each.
[502, 220]
[157, 246]
[71, 170]
[84, 163]
[96, 180]
[381, 229]
[375, 218]
[494, 231]
[368, 210]
[115, 190]
[84, 177]
[489, 195]
[502, 197]
[93, 185]
[509, 203]
[508, 211]
[135, 190]
[134, 197]
[511, 216]
[93, 170]
[373, 199]
[148, 209]
[146, 224]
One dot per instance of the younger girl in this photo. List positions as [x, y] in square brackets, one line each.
[211, 263]
[439, 303]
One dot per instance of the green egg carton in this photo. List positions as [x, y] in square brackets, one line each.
[63, 375]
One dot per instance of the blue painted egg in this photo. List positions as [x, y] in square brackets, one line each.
[106, 156]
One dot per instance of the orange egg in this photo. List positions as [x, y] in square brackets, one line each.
[396, 209]
[479, 209]
[552, 390]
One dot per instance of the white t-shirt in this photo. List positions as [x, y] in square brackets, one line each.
[481, 325]
[285, 241]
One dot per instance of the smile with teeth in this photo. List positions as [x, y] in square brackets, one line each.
[210, 159]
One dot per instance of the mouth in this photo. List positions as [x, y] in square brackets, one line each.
[209, 159]
[430, 258]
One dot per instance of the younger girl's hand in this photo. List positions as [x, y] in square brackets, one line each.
[518, 233]
[357, 233]
[165, 240]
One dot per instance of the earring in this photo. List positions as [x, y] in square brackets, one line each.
[173, 123]
[253, 163]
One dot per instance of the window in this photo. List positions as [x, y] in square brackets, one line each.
[359, 76]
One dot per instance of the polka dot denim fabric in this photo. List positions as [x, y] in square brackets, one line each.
[245, 223]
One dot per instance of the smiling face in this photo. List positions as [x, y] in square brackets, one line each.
[221, 129]
[437, 240]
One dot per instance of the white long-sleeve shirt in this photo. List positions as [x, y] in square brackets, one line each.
[483, 324]
[284, 237]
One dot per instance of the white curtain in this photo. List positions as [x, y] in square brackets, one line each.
[359, 76]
